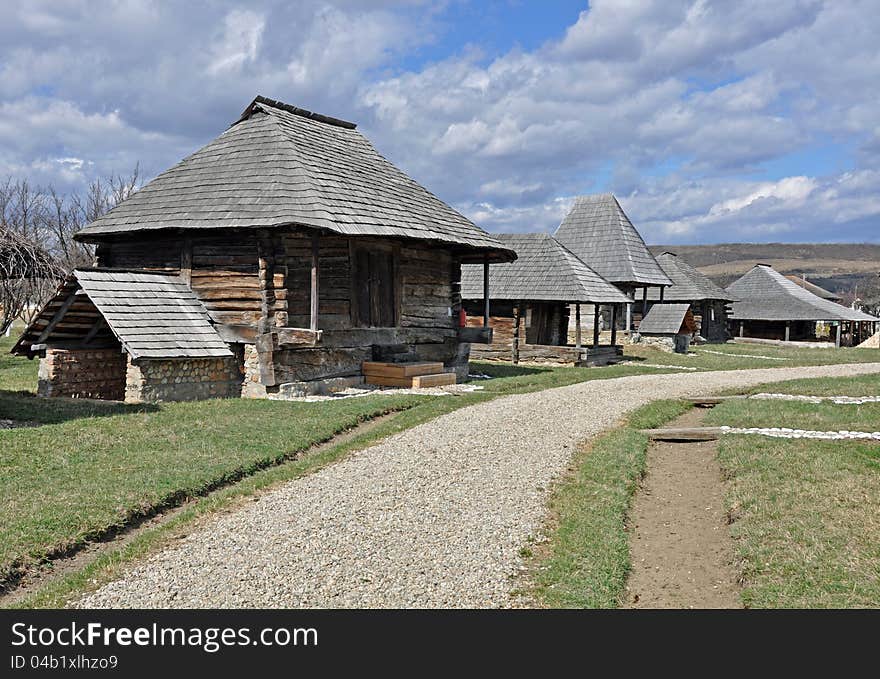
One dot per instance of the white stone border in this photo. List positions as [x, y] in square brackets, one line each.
[842, 400]
[786, 433]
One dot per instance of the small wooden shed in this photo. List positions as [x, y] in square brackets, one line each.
[530, 301]
[709, 302]
[668, 326]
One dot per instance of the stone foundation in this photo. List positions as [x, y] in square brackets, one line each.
[662, 343]
[182, 379]
[251, 386]
[83, 373]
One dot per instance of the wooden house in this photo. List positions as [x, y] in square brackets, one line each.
[530, 301]
[770, 306]
[708, 302]
[276, 260]
[598, 231]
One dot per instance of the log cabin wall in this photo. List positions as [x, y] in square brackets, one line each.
[223, 270]
[541, 323]
[253, 274]
[358, 280]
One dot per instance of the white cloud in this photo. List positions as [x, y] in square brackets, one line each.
[692, 111]
[240, 42]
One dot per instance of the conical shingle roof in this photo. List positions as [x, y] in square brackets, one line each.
[598, 231]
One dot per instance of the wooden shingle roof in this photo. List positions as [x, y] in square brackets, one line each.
[765, 294]
[598, 231]
[664, 319]
[688, 284]
[153, 315]
[544, 270]
[280, 165]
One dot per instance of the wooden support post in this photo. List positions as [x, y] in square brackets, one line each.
[788, 331]
[485, 291]
[837, 335]
[56, 318]
[613, 325]
[94, 330]
[517, 315]
[577, 325]
[644, 301]
[313, 312]
[266, 272]
[742, 327]
[595, 325]
[186, 259]
[629, 318]
[662, 288]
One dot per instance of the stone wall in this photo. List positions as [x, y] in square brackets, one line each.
[83, 373]
[183, 379]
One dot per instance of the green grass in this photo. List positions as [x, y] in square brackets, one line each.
[62, 484]
[91, 466]
[586, 561]
[742, 356]
[16, 374]
[805, 512]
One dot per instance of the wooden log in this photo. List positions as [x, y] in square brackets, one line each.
[684, 434]
[56, 319]
[299, 337]
[313, 309]
[709, 401]
[485, 291]
[595, 325]
[614, 324]
[517, 316]
[436, 380]
[401, 369]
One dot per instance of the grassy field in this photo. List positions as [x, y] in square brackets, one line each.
[805, 512]
[89, 467]
[744, 356]
[586, 560]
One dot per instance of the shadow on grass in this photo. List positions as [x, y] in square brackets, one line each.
[499, 369]
[23, 406]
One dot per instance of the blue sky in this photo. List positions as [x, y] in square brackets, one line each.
[711, 121]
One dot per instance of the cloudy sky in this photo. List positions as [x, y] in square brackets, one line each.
[711, 121]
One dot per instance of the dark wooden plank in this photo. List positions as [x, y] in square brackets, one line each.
[684, 434]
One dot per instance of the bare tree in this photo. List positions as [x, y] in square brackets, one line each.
[37, 248]
[28, 275]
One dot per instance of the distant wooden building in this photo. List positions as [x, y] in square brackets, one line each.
[770, 306]
[598, 231]
[276, 260]
[708, 302]
[815, 289]
[530, 301]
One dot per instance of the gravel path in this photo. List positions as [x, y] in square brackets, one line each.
[432, 517]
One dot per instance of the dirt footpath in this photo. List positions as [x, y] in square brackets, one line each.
[681, 549]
